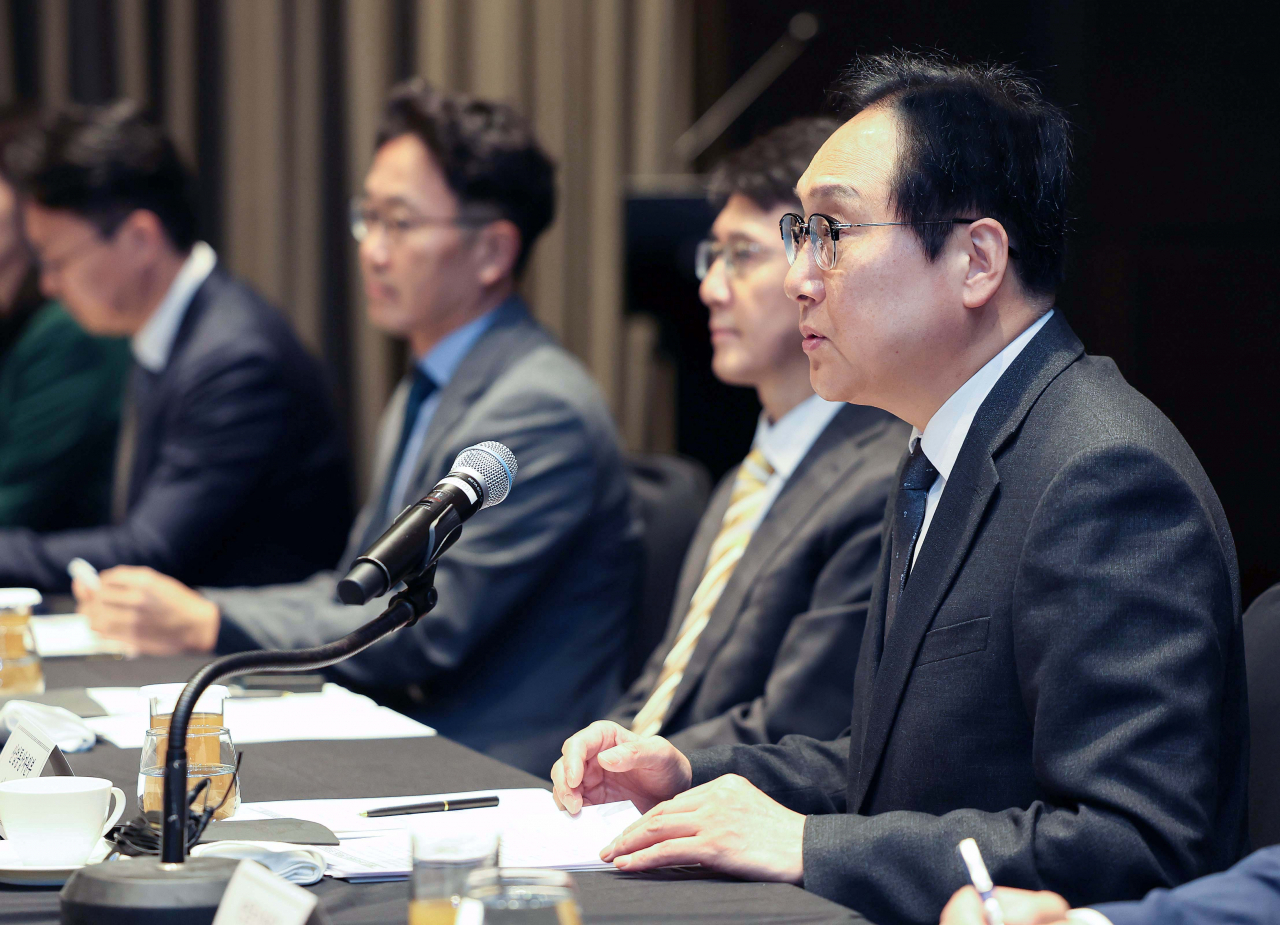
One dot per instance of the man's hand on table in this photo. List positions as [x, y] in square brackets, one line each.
[150, 613]
[1020, 907]
[605, 763]
[726, 825]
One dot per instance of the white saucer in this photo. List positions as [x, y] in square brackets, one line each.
[13, 871]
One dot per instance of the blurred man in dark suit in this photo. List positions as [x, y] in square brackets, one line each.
[526, 641]
[230, 466]
[1052, 663]
[60, 389]
[772, 599]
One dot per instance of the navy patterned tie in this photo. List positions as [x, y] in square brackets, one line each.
[918, 477]
[419, 392]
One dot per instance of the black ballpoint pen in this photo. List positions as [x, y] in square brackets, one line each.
[440, 806]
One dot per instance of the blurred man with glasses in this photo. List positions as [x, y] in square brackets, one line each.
[1053, 663]
[527, 640]
[772, 600]
[230, 466]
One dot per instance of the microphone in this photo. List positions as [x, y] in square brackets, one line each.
[481, 477]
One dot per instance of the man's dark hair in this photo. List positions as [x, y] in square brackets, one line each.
[103, 163]
[766, 170]
[979, 140]
[15, 122]
[486, 150]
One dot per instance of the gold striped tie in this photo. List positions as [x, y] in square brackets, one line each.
[735, 532]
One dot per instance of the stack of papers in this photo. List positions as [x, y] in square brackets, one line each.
[334, 713]
[68, 634]
[534, 833]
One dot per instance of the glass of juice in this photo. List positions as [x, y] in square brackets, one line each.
[447, 848]
[210, 754]
[521, 896]
[20, 668]
[163, 698]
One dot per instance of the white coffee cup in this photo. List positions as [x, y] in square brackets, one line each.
[57, 821]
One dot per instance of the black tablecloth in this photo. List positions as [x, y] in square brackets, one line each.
[406, 767]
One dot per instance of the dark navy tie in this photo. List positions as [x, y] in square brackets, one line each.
[918, 477]
[419, 392]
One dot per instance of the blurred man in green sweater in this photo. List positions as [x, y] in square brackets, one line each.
[60, 393]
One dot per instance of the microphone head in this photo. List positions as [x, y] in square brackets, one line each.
[494, 465]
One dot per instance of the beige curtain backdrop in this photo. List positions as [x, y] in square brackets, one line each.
[608, 85]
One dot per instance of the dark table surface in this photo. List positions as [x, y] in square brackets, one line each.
[407, 767]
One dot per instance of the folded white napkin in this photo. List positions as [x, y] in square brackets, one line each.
[67, 730]
[295, 863]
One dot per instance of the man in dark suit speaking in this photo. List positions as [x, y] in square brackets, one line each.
[1052, 663]
[772, 600]
[230, 467]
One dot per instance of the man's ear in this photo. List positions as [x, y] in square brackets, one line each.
[498, 249]
[143, 232]
[986, 244]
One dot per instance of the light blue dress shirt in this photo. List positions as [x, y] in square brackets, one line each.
[440, 363]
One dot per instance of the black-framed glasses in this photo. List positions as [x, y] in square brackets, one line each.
[823, 232]
[738, 257]
[398, 221]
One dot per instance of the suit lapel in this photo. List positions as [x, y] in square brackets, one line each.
[973, 483]
[151, 391]
[828, 460]
[365, 531]
[511, 335]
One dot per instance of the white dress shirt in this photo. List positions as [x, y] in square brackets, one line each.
[152, 344]
[944, 434]
[440, 363]
[786, 441]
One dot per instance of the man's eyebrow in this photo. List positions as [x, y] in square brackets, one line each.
[387, 200]
[840, 192]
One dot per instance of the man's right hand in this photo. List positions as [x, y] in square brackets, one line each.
[606, 762]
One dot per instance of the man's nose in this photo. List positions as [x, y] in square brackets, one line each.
[714, 288]
[803, 282]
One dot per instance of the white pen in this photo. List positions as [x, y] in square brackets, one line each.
[83, 572]
[981, 881]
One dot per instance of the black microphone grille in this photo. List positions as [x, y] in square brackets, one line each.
[494, 465]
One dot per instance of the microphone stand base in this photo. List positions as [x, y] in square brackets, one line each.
[145, 891]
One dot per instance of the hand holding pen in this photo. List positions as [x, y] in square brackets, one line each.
[985, 904]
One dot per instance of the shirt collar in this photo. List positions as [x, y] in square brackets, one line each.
[443, 360]
[154, 342]
[944, 434]
[786, 441]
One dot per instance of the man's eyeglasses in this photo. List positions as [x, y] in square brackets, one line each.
[823, 232]
[399, 221]
[52, 266]
[737, 257]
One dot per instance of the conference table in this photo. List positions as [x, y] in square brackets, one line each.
[408, 767]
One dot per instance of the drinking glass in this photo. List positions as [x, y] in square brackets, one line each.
[210, 754]
[446, 850]
[163, 698]
[520, 896]
[20, 668]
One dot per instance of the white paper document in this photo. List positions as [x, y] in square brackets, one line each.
[68, 634]
[334, 713]
[534, 833]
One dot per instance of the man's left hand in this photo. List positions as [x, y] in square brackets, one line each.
[152, 614]
[726, 825]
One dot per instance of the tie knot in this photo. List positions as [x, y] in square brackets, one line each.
[919, 474]
[756, 467]
[423, 385]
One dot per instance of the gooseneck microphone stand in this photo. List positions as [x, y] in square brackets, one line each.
[173, 889]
